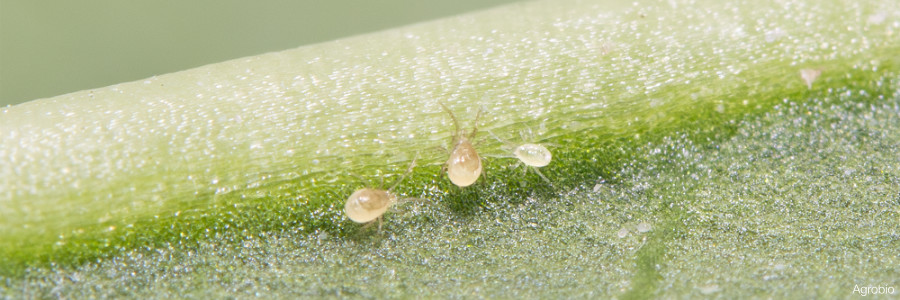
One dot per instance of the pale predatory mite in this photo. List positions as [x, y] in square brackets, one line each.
[464, 165]
[368, 204]
[531, 154]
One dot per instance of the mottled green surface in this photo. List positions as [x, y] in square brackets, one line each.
[804, 201]
[752, 183]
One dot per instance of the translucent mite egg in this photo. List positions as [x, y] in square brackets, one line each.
[367, 204]
[533, 155]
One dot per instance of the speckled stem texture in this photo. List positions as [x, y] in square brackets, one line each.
[275, 143]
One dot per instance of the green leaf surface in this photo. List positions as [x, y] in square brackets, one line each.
[691, 158]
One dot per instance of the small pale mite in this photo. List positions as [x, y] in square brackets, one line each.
[464, 165]
[368, 204]
[532, 155]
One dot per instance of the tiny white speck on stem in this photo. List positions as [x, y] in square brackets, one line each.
[810, 75]
[709, 289]
[643, 227]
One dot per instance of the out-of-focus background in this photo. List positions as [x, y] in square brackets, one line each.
[49, 48]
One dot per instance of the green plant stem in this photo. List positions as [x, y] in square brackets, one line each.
[273, 141]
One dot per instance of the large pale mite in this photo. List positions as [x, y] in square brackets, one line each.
[368, 204]
[464, 165]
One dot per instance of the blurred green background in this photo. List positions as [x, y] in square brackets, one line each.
[48, 48]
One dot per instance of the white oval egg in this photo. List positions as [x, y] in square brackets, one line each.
[367, 204]
[464, 165]
[533, 155]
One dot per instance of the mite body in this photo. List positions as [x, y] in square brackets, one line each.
[368, 204]
[464, 165]
[532, 155]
